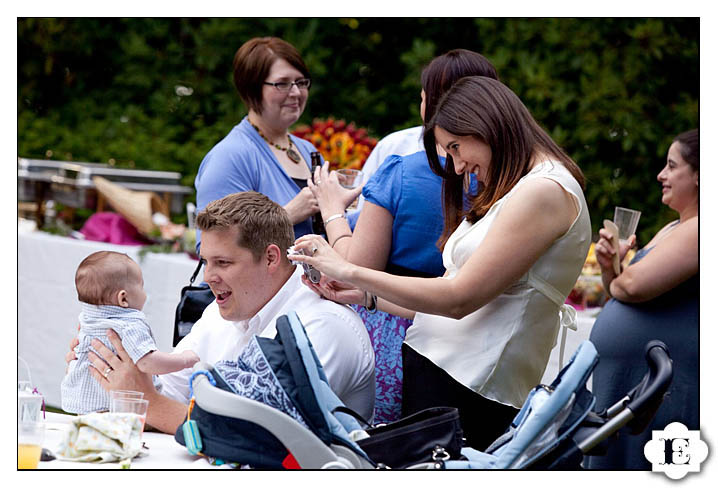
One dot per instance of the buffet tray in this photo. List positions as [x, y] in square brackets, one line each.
[70, 183]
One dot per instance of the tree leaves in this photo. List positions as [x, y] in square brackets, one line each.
[612, 91]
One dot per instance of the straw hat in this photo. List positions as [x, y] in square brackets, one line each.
[135, 206]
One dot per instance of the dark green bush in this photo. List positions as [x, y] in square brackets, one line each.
[613, 92]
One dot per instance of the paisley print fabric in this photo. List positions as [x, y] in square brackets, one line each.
[252, 377]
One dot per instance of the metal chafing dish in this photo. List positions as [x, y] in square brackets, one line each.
[70, 183]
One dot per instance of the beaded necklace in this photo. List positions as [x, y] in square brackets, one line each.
[291, 152]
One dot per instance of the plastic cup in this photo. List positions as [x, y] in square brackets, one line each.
[134, 406]
[29, 406]
[126, 395]
[30, 436]
[349, 178]
[627, 221]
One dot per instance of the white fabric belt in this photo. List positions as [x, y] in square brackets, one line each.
[567, 314]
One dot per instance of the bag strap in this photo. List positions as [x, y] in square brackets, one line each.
[353, 414]
[196, 271]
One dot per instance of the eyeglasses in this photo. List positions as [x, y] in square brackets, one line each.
[302, 84]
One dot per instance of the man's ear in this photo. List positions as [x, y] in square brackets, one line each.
[273, 256]
[122, 299]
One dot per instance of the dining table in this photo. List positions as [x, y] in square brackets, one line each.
[160, 451]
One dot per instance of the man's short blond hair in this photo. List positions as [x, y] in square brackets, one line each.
[259, 220]
[101, 275]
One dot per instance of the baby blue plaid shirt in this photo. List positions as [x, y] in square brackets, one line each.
[81, 393]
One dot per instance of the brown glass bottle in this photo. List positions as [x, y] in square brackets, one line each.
[317, 222]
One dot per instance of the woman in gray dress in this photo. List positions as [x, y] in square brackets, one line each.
[655, 297]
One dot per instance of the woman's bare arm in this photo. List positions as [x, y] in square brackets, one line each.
[672, 261]
[370, 245]
[518, 237]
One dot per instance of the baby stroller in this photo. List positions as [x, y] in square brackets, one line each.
[554, 429]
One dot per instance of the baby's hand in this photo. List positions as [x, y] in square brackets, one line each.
[189, 357]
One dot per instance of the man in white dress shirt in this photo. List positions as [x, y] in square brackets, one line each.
[244, 241]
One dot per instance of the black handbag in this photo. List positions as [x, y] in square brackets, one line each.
[430, 435]
[193, 301]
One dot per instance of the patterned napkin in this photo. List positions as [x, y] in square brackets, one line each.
[102, 437]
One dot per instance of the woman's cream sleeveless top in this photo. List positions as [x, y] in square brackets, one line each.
[501, 350]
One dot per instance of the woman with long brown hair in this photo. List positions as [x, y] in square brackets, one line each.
[400, 223]
[483, 332]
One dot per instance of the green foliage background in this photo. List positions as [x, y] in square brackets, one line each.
[613, 92]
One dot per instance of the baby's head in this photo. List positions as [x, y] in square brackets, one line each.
[110, 278]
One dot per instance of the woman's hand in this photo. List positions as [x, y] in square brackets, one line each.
[321, 256]
[604, 255]
[340, 292]
[604, 249]
[302, 206]
[331, 196]
[117, 371]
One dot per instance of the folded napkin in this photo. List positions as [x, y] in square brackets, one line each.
[102, 437]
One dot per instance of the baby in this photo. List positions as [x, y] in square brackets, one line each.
[111, 290]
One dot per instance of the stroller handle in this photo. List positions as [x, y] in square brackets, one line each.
[639, 406]
[647, 396]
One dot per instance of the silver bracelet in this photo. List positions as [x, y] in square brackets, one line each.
[334, 216]
[347, 235]
[370, 310]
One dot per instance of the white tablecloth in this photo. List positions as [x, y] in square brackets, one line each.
[48, 307]
[164, 451]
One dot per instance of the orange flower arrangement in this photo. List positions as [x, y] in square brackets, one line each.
[588, 291]
[342, 145]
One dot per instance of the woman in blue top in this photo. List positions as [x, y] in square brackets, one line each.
[398, 226]
[654, 297]
[259, 153]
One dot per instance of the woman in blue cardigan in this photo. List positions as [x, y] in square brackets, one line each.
[259, 153]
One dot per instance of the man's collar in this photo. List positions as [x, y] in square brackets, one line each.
[260, 321]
